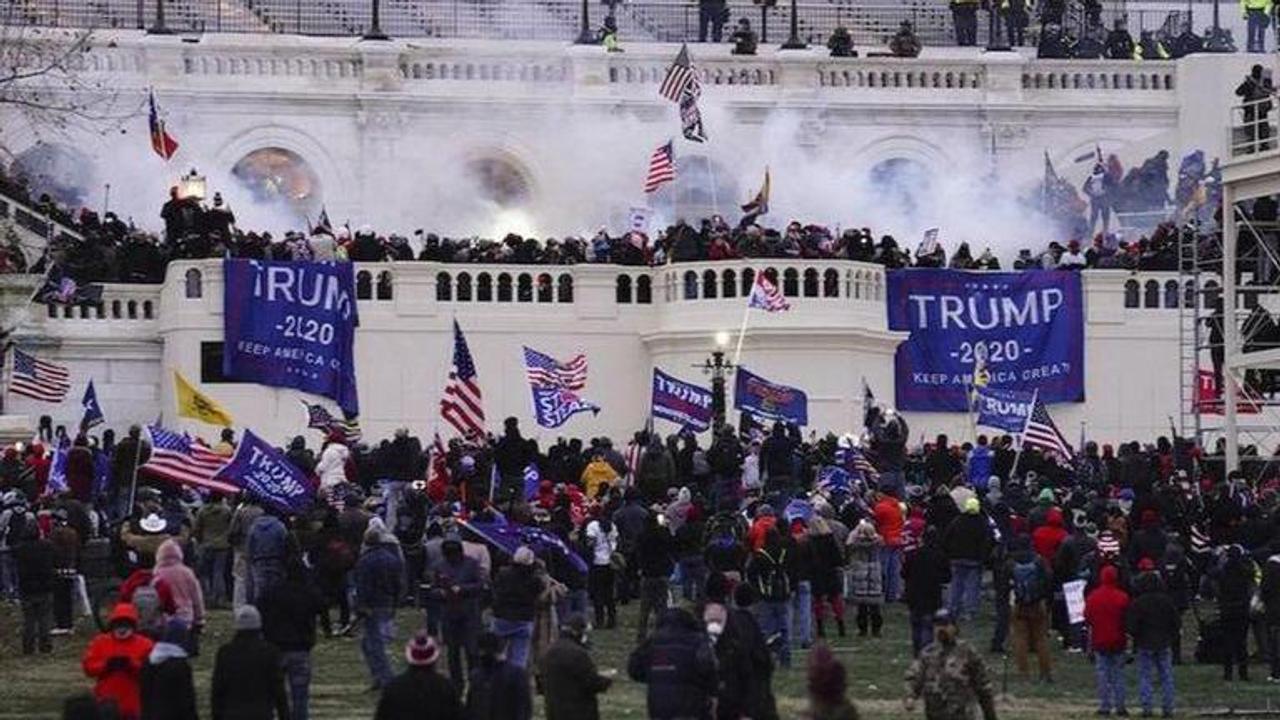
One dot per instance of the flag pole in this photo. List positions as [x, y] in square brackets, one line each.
[746, 314]
[1035, 398]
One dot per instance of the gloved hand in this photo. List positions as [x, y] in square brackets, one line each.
[118, 663]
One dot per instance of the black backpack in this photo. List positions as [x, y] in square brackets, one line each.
[1028, 582]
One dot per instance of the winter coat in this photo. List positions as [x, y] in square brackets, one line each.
[515, 593]
[34, 559]
[1048, 537]
[499, 691]
[595, 474]
[925, 572]
[247, 680]
[656, 473]
[1270, 589]
[266, 539]
[828, 565]
[213, 526]
[866, 580]
[1104, 612]
[378, 577]
[115, 665]
[968, 538]
[1152, 619]
[655, 554]
[678, 664]
[168, 690]
[889, 521]
[419, 692]
[570, 682]
[745, 668]
[289, 610]
[332, 466]
[1235, 589]
[188, 600]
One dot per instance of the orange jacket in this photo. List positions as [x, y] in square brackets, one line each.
[120, 685]
[890, 521]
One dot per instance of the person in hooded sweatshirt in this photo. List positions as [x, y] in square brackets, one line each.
[925, 572]
[114, 659]
[1152, 621]
[1104, 613]
[678, 664]
[498, 689]
[167, 688]
[184, 586]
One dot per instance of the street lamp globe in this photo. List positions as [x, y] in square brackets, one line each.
[722, 339]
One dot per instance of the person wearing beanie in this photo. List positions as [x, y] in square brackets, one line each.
[379, 587]
[248, 682]
[419, 691]
[570, 680]
[114, 659]
[968, 542]
[498, 690]
[167, 689]
[828, 684]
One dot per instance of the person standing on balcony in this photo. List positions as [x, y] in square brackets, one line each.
[711, 17]
[1015, 21]
[965, 15]
[1255, 92]
[1257, 13]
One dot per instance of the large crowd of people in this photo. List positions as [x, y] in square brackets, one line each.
[736, 555]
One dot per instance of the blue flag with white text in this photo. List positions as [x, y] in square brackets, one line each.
[532, 479]
[92, 410]
[265, 474]
[552, 406]
[684, 404]
[1006, 410]
[770, 401]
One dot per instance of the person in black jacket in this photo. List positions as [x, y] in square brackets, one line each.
[515, 603]
[1152, 622]
[925, 572]
[168, 691]
[570, 681]
[1235, 592]
[247, 682]
[655, 555]
[744, 663]
[289, 613]
[34, 560]
[679, 666]
[419, 691]
[968, 542]
[498, 690]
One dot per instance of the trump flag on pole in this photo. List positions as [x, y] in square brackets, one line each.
[1003, 409]
[265, 474]
[684, 404]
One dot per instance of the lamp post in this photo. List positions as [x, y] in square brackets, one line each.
[375, 24]
[192, 185]
[159, 28]
[719, 369]
[584, 29]
[794, 42]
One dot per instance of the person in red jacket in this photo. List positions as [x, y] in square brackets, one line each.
[1104, 612]
[114, 660]
[891, 520]
[1048, 537]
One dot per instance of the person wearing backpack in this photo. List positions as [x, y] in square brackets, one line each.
[1029, 618]
[767, 574]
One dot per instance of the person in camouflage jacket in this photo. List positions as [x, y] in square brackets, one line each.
[950, 676]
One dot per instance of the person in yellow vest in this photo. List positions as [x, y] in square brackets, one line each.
[1257, 13]
[964, 14]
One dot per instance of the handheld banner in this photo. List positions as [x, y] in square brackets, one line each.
[770, 401]
[1006, 410]
[684, 404]
[266, 474]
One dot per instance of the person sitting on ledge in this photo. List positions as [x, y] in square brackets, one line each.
[744, 38]
[841, 43]
[904, 43]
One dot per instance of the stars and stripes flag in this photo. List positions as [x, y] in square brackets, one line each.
[662, 168]
[765, 296]
[320, 418]
[38, 379]
[178, 459]
[161, 141]
[546, 372]
[462, 405]
[1042, 433]
[681, 79]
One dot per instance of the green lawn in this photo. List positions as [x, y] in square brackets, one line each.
[33, 687]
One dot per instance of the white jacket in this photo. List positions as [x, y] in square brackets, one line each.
[332, 466]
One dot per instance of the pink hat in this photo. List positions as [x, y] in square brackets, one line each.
[421, 650]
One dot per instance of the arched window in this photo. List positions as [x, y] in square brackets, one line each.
[644, 290]
[444, 287]
[464, 287]
[564, 288]
[364, 285]
[1189, 294]
[709, 284]
[690, 285]
[790, 282]
[524, 288]
[193, 284]
[147, 310]
[384, 286]
[115, 310]
[84, 310]
[545, 288]
[1212, 294]
[1131, 294]
[771, 274]
[624, 290]
[484, 287]
[831, 283]
[504, 287]
[1171, 294]
[728, 284]
[1151, 294]
[132, 307]
[811, 283]
[99, 311]
[748, 279]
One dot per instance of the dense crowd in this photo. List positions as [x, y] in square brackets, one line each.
[737, 554]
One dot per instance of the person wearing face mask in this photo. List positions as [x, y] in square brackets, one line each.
[570, 681]
[115, 659]
[742, 656]
[950, 676]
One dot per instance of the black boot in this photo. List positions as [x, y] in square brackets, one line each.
[840, 626]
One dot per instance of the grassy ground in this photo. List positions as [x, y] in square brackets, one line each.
[32, 687]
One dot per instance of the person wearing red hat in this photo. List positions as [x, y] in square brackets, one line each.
[114, 659]
[419, 690]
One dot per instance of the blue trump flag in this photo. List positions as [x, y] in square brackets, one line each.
[92, 410]
[770, 401]
[1030, 325]
[1006, 410]
[292, 324]
[266, 474]
[684, 404]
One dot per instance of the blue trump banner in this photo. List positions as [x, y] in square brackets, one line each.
[1027, 326]
[265, 474]
[292, 324]
[552, 407]
[684, 404]
[1006, 410]
[769, 401]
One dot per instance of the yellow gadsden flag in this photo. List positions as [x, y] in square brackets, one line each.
[194, 404]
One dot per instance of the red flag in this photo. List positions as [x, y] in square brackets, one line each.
[161, 141]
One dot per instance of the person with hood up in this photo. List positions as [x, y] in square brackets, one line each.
[679, 665]
[828, 686]
[184, 586]
[248, 683]
[655, 472]
[457, 583]
[1152, 621]
[168, 690]
[1047, 538]
[598, 474]
[1235, 593]
[655, 557]
[1104, 613]
[379, 587]
[866, 581]
[419, 691]
[968, 542]
[114, 659]
[498, 690]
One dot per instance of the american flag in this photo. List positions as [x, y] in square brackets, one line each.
[38, 379]
[461, 405]
[177, 459]
[662, 168]
[321, 419]
[161, 141]
[765, 296]
[680, 79]
[854, 459]
[545, 371]
[1042, 433]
